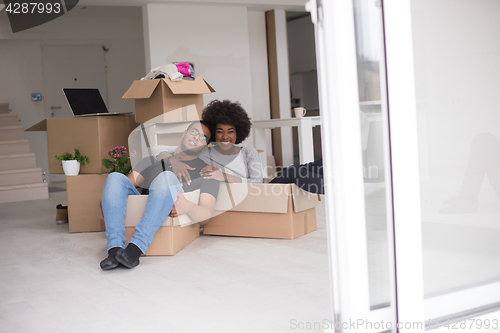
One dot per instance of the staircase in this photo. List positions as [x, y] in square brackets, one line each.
[20, 179]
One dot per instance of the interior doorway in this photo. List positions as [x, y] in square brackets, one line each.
[303, 73]
[71, 66]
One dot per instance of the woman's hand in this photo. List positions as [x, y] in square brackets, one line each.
[211, 172]
[181, 205]
[180, 170]
[173, 212]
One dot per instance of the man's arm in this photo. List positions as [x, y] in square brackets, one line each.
[180, 169]
[202, 213]
[136, 178]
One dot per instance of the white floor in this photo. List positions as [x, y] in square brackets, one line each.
[50, 281]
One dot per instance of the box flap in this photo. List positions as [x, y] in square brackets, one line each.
[209, 86]
[253, 197]
[303, 200]
[41, 126]
[198, 86]
[185, 220]
[141, 89]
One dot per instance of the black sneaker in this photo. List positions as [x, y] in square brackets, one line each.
[109, 263]
[123, 258]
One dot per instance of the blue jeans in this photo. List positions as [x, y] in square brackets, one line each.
[117, 188]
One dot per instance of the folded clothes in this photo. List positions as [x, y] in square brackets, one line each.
[184, 68]
[169, 70]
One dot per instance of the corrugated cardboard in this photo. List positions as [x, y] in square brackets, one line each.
[84, 193]
[263, 210]
[170, 238]
[156, 97]
[4, 107]
[94, 136]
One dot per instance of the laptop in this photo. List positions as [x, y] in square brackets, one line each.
[86, 102]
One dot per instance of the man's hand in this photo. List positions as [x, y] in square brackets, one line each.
[180, 170]
[211, 172]
[182, 205]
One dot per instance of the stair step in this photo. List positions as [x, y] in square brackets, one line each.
[19, 177]
[17, 161]
[14, 132]
[8, 119]
[10, 147]
[35, 191]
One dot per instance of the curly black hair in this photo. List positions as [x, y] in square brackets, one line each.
[227, 113]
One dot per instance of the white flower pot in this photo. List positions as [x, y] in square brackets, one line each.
[71, 168]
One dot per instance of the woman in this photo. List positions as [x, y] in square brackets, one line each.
[230, 125]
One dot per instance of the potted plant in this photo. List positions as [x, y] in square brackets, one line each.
[120, 160]
[71, 163]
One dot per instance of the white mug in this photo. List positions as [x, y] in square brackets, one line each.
[299, 112]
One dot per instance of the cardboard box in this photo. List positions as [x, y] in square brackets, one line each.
[84, 193]
[263, 210]
[94, 136]
[173, 235]
[4, 107]
[156, 97]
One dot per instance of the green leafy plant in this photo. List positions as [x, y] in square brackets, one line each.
[119, 160]
[84, 160]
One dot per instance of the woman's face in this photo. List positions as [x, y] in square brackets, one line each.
[225, 136]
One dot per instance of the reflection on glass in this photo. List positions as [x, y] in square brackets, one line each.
[456, 56]
[370, 58]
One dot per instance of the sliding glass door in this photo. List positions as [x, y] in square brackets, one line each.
[414, 201]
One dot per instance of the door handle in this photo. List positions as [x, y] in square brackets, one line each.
[55, 107]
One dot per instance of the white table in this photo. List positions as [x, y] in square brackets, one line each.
[304, 126]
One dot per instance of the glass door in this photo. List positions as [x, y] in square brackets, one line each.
[356, 153]
[415, 244]
[452, 48]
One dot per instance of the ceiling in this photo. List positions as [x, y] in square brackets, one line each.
[294, 5]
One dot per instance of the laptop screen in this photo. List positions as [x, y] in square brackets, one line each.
[85, 101]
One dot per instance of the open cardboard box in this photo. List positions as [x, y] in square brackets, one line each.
[84, 193]
[175, 233]
[250, 210]
[4, 107]
[263, 210]
[156, 97]
[94, 136]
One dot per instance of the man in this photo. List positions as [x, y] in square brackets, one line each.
[164, 191]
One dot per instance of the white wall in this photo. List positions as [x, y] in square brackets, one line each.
[217, 40]
[118, 28]
[214, 38]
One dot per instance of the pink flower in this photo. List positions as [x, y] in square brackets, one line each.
[134, 154]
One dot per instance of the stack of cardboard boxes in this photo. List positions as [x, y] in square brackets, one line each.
[166, 102]
[94, 136]
[251, 210]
